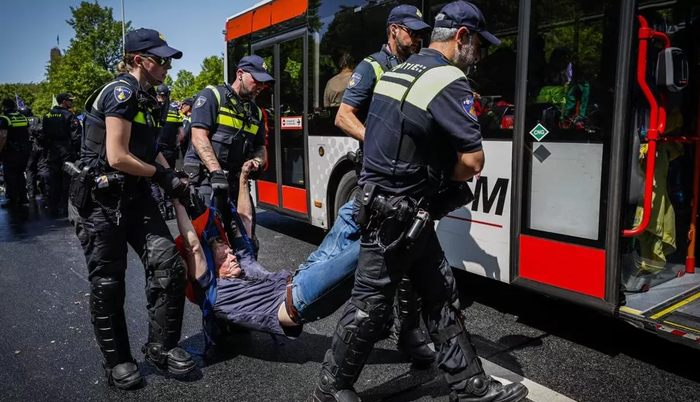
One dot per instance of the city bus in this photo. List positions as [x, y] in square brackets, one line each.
[589, 115]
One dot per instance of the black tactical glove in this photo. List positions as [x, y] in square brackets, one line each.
[219, 182]
[169, 181]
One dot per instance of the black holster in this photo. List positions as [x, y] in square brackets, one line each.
[82, 180]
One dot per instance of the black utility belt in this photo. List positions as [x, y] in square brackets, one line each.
[85, 183]
[405, 211]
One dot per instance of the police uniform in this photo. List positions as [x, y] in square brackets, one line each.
[359, 92]
[37, 172]
[234, 137]
[167, 145]
[15, 156]
[421, 112]
[121, 211]
[60, 126]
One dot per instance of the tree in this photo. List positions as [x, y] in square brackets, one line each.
[183, 86]
[212, 72]
[97, 34]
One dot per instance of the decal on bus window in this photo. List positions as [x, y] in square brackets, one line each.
[291, 123]
[539, 132]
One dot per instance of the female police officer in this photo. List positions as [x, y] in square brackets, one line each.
[111, 207]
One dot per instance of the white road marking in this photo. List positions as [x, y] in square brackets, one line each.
[538, 393]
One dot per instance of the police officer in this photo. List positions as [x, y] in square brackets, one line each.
[404, 29]
[61, 127]
[186, 113]
[227, 129]
[37, 171]
[14, 153]
[170, 133]
[114, 208]
[421, 115]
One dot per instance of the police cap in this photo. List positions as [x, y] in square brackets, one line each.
[162, 90]
[462, 14]
[150, 41]
[408, 16]
[9, 104]
[256, 66]
[188, 101]
[64, 97]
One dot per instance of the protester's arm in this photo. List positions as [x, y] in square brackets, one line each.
[196, 261]
[245, 206]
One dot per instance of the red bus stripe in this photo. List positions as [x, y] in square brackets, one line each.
[475, 221]
[294, 199]
[567, 266]
[267, 193]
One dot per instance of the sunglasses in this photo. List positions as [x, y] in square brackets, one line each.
[161, 61]
[412, 34]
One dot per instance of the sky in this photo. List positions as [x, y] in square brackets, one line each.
[194, 27]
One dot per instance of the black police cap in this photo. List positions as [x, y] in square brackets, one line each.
[462, 14]
[150, 41]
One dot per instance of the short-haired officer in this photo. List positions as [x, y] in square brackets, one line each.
[14, 153]
[112, 207]
[61, 128]
[421, 115]
[228, 129]
[404, 27]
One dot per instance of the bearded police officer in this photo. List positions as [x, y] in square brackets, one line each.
[60, 128]
[228, 129]
[421, 115]
[404, 27]
[14, 153]
[111, 206]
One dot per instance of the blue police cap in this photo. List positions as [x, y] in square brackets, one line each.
[162, 89]
[463, 14]
[150, 41]
[256, 66]
[408, 16]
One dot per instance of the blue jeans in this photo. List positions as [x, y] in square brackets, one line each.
[324, 282]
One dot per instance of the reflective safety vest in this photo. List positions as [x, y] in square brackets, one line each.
[404, 156]
[232, 140]
[17, 131]
[144, 129]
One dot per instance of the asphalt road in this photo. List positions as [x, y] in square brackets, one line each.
[48, 353]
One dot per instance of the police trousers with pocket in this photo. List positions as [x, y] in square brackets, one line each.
[14, 160]
[385, 256]
[104, 235]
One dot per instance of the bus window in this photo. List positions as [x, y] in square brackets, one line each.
[291, 112]
[265, 100]
[237, 49]
[570, 84]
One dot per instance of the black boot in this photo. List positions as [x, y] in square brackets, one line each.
[482, 388]
[176, 360]
[109, 323]
[326, 390]
[411, 338]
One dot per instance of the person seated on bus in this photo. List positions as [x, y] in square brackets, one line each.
[279, 303]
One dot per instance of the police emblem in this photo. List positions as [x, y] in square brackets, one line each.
[354, 80]
[160, 35]
[468, 106]
[264, 65]
[200, 102]
[419, 14]
[122, 94]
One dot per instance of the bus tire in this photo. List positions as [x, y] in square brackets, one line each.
[345, 191]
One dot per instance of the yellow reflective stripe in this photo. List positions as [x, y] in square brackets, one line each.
[431, 83]
[390, 89]
[141, 118]
[229, 121]
[378, 70]
[405, 77]
[173, 119]
[226, 110]
[216, 93]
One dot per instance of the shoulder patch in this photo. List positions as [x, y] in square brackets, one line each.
[122, 93]
[173, 105]
[468, 106]
[354, 80]
[200, 102]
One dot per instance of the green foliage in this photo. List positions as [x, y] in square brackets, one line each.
[97, 35]
[183, 86]
[212, 73]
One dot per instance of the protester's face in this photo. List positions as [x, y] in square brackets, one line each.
[225, 261]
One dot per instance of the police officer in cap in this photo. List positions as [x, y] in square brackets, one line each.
[419, 117]
[115, 208]
[14, 153]
[186, 113]
[228, 129]
[60, 128]
[37, 171]
[404, 28]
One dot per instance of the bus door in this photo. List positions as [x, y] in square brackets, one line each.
[561, 151]
[282, 187]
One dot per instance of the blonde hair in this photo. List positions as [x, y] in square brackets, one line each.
[127, 64]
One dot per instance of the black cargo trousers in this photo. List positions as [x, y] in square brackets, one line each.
[385, 257]
[104, 234]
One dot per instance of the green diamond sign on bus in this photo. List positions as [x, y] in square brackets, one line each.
[539, 132]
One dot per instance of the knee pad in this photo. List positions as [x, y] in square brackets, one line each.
[170, 275]
[107, 295]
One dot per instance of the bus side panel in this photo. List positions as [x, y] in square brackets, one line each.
[476, 237]
[321, 168]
